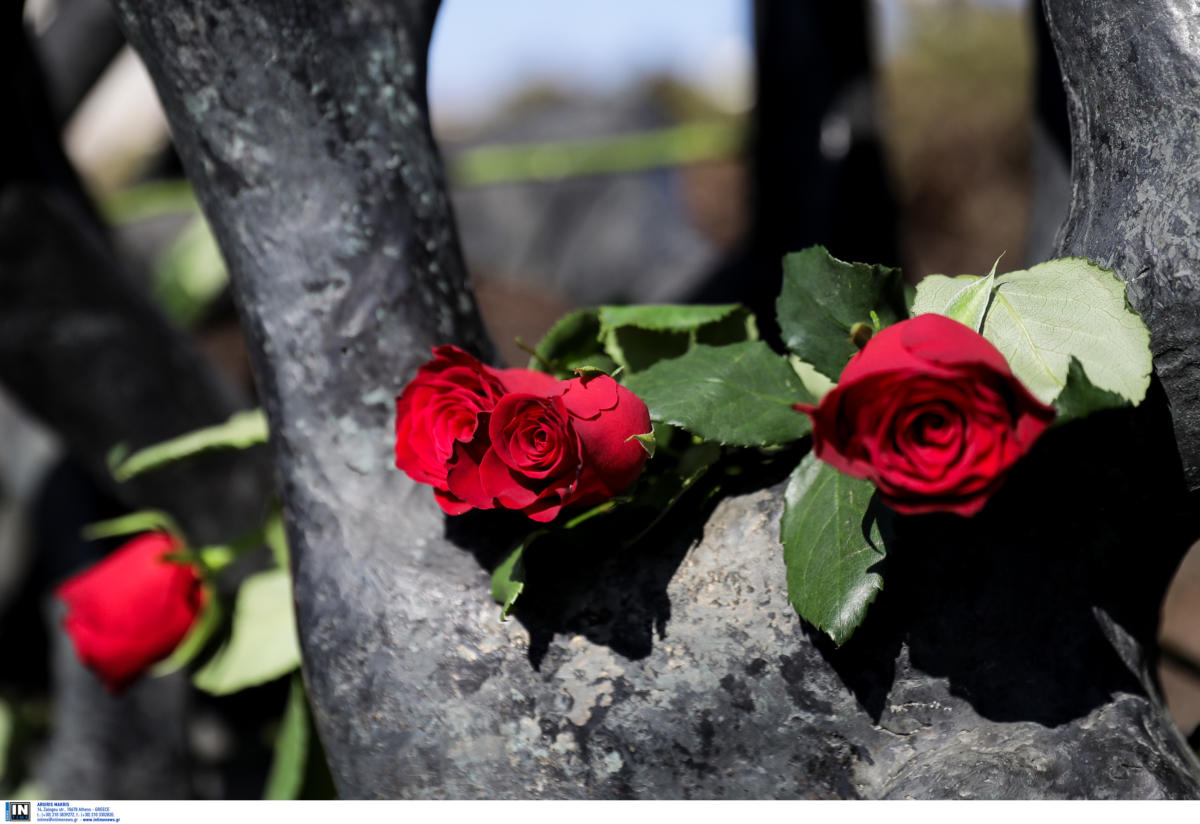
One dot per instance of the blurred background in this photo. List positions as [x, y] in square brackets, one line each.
[599, 151]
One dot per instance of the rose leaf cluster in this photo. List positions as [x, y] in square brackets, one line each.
[928, 414]
[930, 417]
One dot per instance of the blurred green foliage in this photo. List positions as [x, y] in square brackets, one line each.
[189, 274]
[672, 146]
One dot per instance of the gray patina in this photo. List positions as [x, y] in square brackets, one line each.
[1132, 70]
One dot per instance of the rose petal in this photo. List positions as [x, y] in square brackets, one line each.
[439, 408]
[529, 382]
[545, 509]
[463, 475]
[587, 397]
[612, 458]
[450, 503]
[503, 484]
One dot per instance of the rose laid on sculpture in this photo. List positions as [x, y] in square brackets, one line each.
[441, 406]
[131, 609]
[517, 439]
[931, 413]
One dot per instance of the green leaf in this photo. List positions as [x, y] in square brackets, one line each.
[598, 362]
[635, 337]
[116, 453]
[145, 520]
[740, 325]
[286, 778]
[7, 725]
[1042, 317]
[149, 200]
[190, 274]
[508, 581]
[210, 620]
[276, 538]
[816, 383]
[830, 547]
[823, 298]
[638, 349]
[215, 557]
[647, 440]
[664, 317]
[574, 340]
[738, 395]
[263, 645]
[242, 431]
[969, 305]
[583, 517]
[696, 460]
[1080, 397]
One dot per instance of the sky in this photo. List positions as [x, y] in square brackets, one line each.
[483, 50]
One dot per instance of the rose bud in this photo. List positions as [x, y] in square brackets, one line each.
[607, 416]
[931, 413]
[131, 609]
[440, 407]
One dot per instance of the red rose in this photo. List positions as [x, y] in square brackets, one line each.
[930, 412]
[131, 609]
[606, 415]
[441, 407]
[541, 453]
[529, 458]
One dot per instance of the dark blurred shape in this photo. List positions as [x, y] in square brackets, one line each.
[818, 171]
[1050, 95]
[89, 354]
[30, 151]
[83, 348]
[76, 48]
[1049, 148]
[1136, 138]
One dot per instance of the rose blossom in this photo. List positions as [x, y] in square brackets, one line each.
[131, 609]
[606, 415]
[528, 459]
[931, 413]
[540, 454]
[441, 406]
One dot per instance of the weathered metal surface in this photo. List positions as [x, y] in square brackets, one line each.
[1132, 75]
